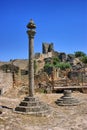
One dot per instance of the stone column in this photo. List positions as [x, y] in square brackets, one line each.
[31, 105]
[31, 32]
[67, 99]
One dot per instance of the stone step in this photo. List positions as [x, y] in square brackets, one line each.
[31, 99]
[67, 99]
[31, 109]
[27, 103]
[36, 113]
[27, 109]
[32, 105]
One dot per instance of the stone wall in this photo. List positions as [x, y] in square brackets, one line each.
[39, 56]
[6, 81]
[40, 60]
[47, 47]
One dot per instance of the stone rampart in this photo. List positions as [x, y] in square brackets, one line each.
[6, 82]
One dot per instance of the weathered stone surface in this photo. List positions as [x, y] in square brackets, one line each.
[6, 82]
[84, 90]
[62, 56]
[70, 58]
[67, 99]
[41, 78]
[32, 106]
[46, 47]
[0, 110]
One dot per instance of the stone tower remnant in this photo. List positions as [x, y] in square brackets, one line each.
[46, 47]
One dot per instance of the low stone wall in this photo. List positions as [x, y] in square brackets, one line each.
[6, 82]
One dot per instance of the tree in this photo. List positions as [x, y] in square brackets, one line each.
[79, 54]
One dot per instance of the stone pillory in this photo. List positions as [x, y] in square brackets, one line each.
[31, 104]
[31, 33]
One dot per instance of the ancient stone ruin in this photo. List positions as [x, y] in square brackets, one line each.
[46, 47]
[67, 99]
[31, 104]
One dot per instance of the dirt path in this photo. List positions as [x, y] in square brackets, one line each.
[62, 118]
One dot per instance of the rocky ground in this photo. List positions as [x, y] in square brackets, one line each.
[61, 118]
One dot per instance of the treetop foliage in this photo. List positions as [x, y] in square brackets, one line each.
[79, 54]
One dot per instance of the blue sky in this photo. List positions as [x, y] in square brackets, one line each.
[62, 22]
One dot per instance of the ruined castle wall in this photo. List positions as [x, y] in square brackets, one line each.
[49, 54]
[43, 56]
[46, 47]
[6, 81]
[40, 60]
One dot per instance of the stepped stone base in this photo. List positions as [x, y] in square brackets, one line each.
[67, 99]
[32, 106]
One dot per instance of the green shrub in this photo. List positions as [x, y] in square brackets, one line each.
[56, 60]
[79, 54]
[84, 59]
[48, 65]
[63, 65]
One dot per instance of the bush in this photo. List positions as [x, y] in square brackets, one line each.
[48, 68]
[48, 65]
[79, 54]
[56, 60]
[84, 59]
[63, 66]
